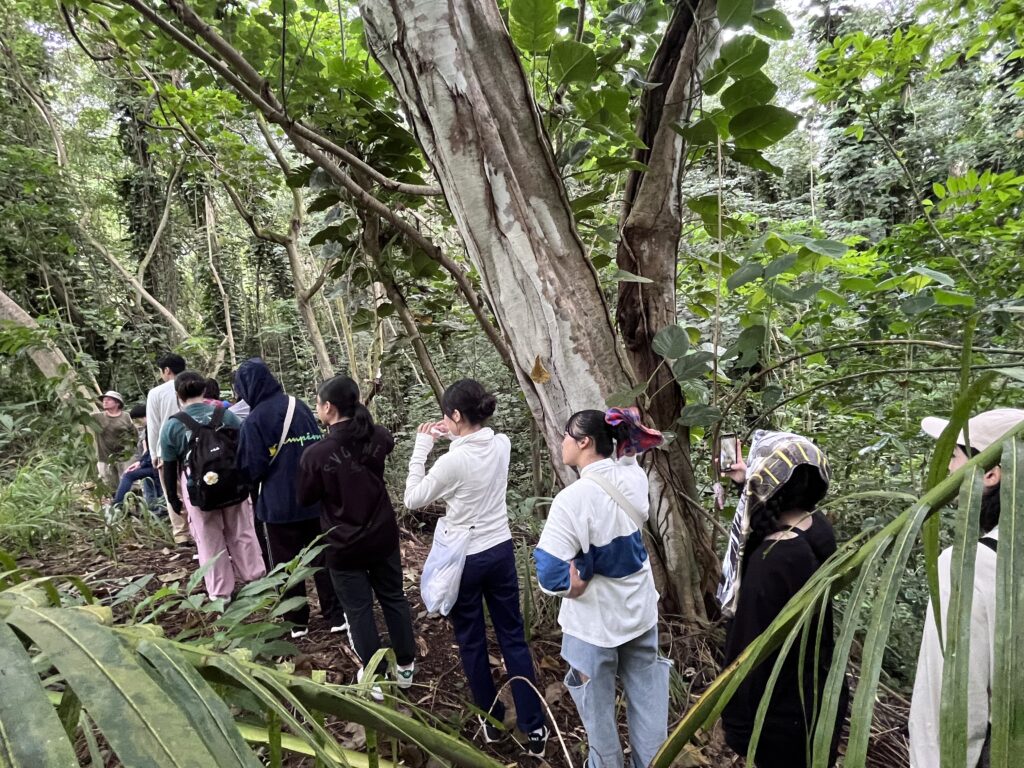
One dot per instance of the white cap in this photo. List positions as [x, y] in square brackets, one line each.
[984, 429]
[113, 394]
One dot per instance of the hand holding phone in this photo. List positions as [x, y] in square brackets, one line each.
[728, 452]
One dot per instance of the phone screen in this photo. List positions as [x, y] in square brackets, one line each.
[727, 451]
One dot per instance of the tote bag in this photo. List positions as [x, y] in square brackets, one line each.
[442, 573]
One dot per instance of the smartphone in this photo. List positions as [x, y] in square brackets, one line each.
[728, 451]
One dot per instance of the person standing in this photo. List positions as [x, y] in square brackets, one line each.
[472, 479]
[161, 404]
[344, 473]
[115, 435]
[225, 533]
[787, 542]
[273, 437]
[983, 430]
[591, 554]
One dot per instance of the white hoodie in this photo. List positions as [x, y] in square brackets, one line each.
[471, 478]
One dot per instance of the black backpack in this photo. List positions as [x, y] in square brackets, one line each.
[214, 482]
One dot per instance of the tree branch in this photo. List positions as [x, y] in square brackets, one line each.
[164, 218]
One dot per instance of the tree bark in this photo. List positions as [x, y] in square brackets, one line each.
[50, 361]
[648, 246]
[211, 248]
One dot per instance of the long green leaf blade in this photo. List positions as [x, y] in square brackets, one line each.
[143, 726]
[1007, 693]
[31, 734]
[953, 711]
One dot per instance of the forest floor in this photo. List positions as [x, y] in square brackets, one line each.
[440, 686]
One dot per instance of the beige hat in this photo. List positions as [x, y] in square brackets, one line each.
[113, 394]
[984, 429]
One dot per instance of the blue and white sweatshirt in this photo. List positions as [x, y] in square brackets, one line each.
[587, 526]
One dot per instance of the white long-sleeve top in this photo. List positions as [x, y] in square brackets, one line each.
[161, 404]
[588, 527]
[927, 699]
[471, 479]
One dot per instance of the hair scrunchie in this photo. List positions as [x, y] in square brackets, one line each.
[640, 438]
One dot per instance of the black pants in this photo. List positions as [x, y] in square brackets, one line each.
[356, 590]
[284, 542]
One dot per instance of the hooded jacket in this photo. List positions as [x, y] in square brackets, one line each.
[276, 478]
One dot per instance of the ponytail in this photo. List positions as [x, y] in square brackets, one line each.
[343, 393]
[615, 432]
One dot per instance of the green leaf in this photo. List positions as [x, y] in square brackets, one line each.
[780, 265]
[740, 57]
[939, 277]
[830, 298]
[832, 248]
[671, 342]
[532, 24]
[915, 305]
[700, 134]
[773, 24]
[952, 298]
[323, 202]
[31, 734]
[749, 272]
[623, 276]
[699, 415]
[691, 366]
[760, 127]
[572, 62]
[857, 284]
[627, 398]
[754, 159]
[1007, 692]
[627, 14]
[734, 14]
[939, 190]
[751, 91]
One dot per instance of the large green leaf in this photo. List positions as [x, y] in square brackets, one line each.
[532, 24]
[671, 342]
[1007, 692]
[740, 57]
[734, 14]
[747, 92]
[772, 23]
[572, 62]
[760, 127]
[142, 724]
[30, 732]
[955, 669]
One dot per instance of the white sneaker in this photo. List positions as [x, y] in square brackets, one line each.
[340, 627]
[299, 632]
[375, 692]
[404, 673]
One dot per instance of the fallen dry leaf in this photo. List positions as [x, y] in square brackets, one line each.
[170, 576]
[539, 373]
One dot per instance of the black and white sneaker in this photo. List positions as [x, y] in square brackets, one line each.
[489, 732]
[537, 741]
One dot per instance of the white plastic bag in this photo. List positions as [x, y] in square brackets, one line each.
[442, 573]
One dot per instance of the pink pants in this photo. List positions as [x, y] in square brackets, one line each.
[230, 532]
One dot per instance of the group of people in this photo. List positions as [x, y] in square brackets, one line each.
[296, 483]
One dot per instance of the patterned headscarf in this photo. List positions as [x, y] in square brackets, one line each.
[640, 438]
[770, 463]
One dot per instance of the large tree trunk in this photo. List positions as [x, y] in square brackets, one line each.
[460, 79]
[648, 246]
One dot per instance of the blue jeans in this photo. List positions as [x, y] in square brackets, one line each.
[591, 683]
[491, 575]
[149, 484]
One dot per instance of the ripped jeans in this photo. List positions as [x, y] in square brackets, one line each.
[591, 683]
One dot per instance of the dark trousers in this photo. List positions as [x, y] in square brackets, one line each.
[149, 484]
[356, 589]
[491, 576]
[284, 542]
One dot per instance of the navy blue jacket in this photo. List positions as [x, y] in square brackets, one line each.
[258, 440]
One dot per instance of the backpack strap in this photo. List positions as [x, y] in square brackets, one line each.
[286, 427]
[991, 543]
[217, 419]
[187, 420]
[632, 512]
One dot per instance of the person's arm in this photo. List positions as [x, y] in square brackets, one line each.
[154, 421]
[309, 486]
[559, 546]
[170, 473]
[422, 487]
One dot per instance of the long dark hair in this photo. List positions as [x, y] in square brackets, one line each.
[804, 489]
[343, 393]
[469, 398]
[592, 424]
